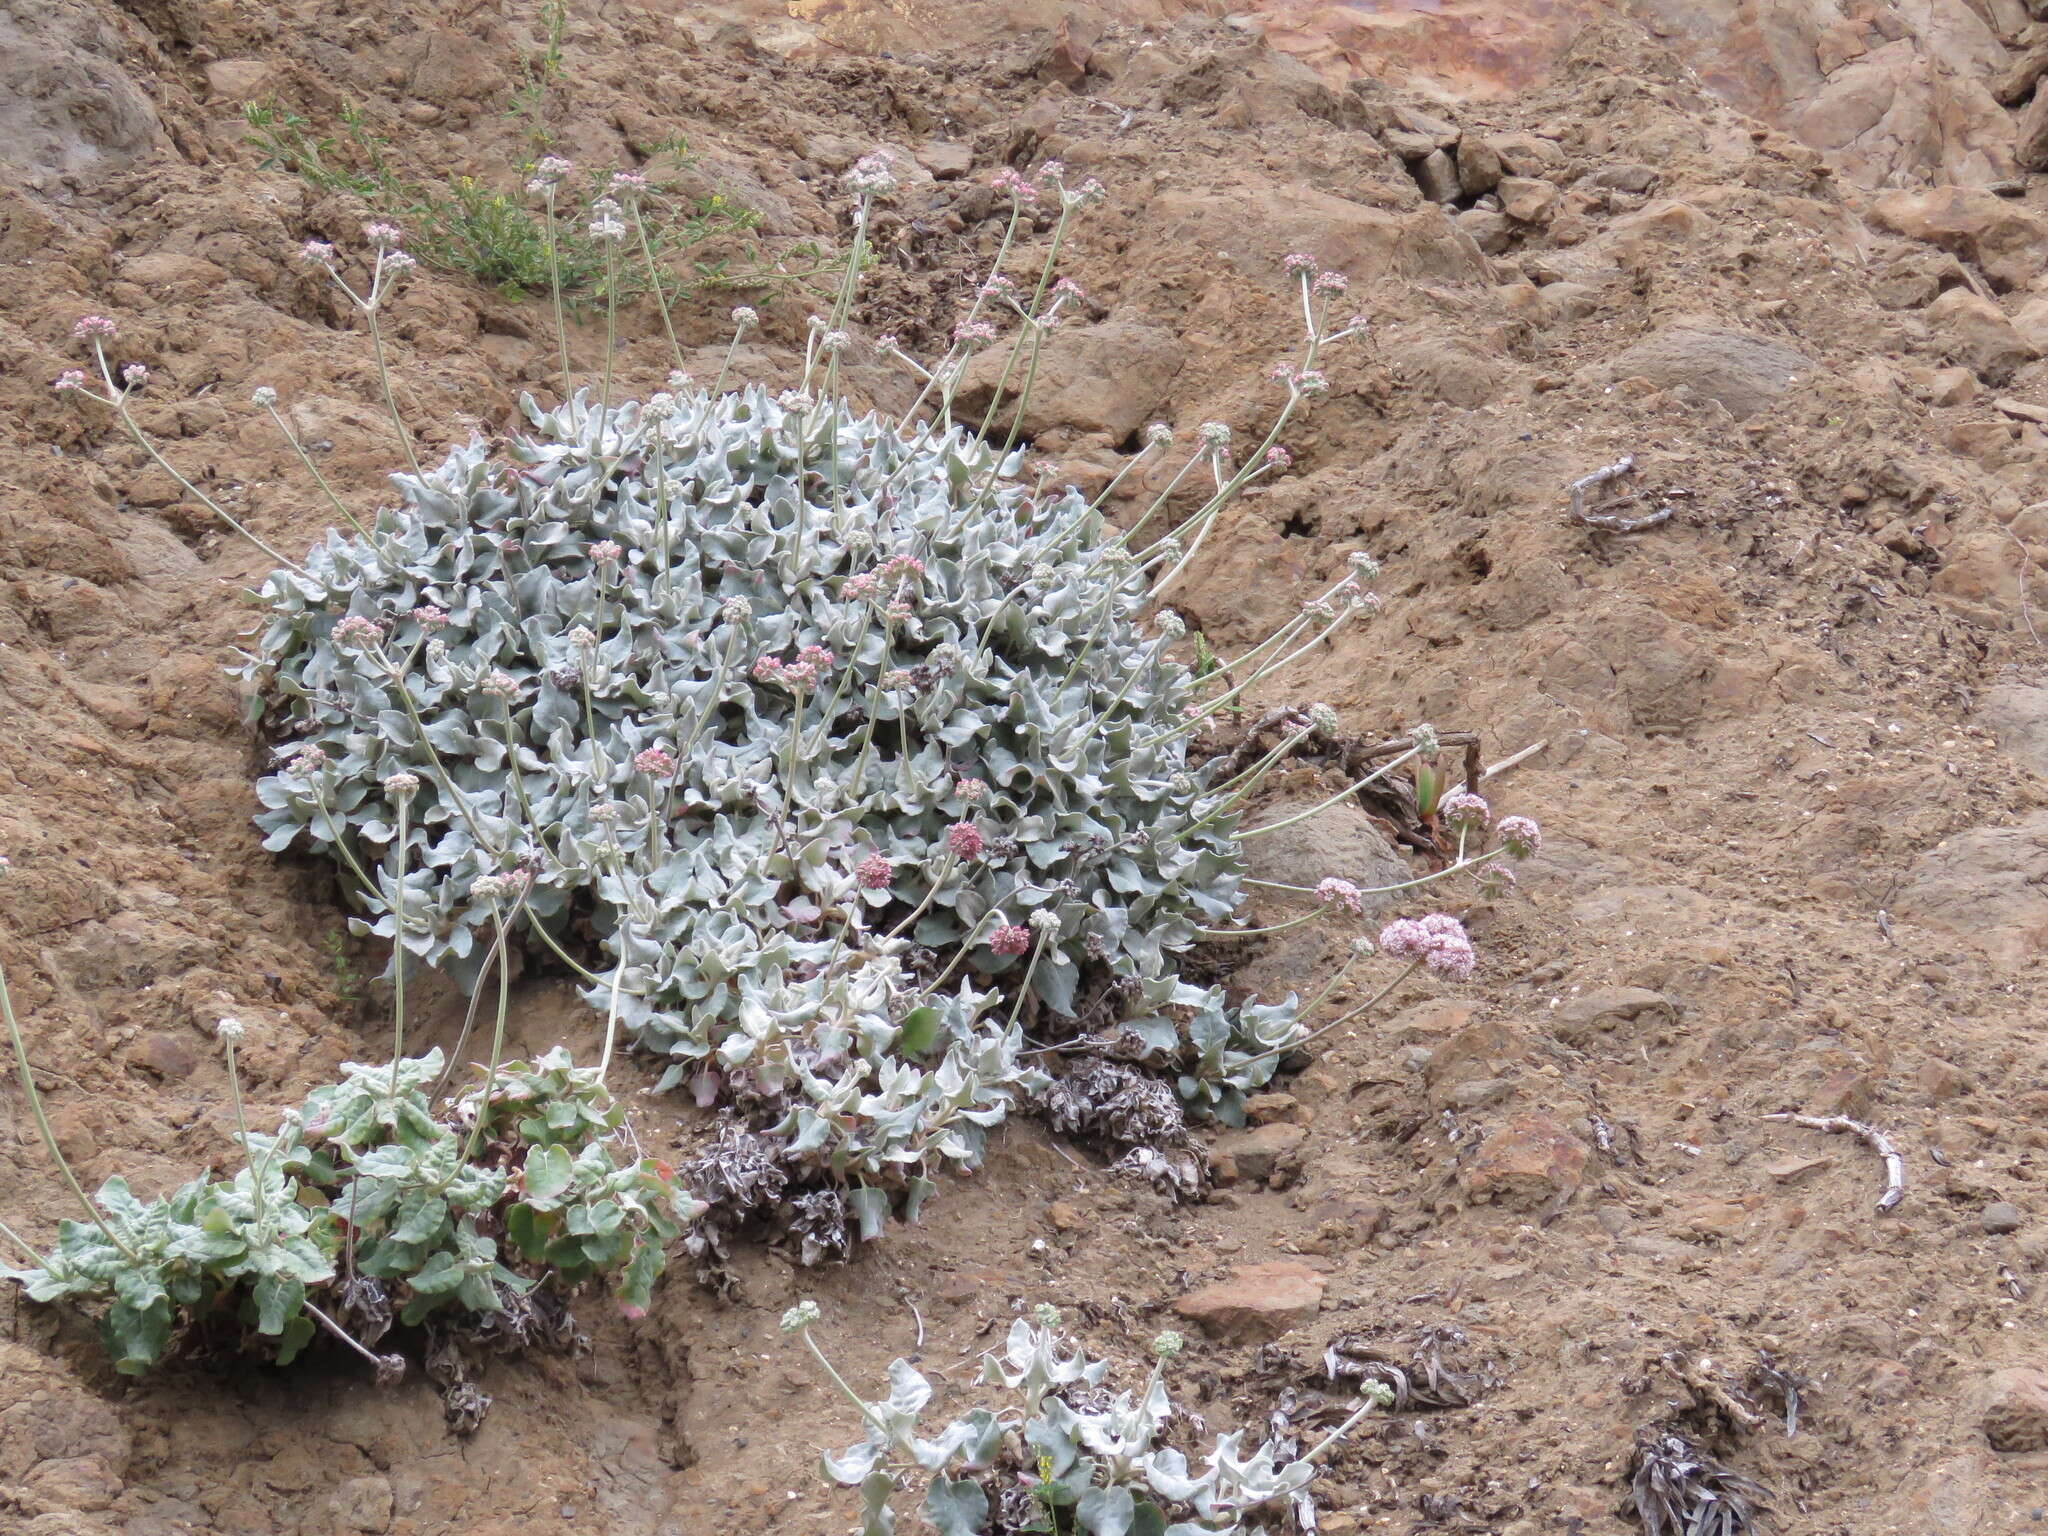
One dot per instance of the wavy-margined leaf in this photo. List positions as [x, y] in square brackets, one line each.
[956, 1508]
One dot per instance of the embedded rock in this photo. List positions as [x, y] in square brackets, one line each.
[1529, 1163]
[1479, 167]
[2013, 1409]
[1744, 372]
[1479, 1053]
[2007, 240]
[1257, 1304]
[1527, 199]
[1341, 841]
[66, 105]
[1437, 174]
[1103, 379]
[1257, 1155]
[1975, 332]
[1985, 884]
[1609, 1010]
[2018, 714]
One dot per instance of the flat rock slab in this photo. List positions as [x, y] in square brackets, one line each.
[1257, 1304]
[1744, 372]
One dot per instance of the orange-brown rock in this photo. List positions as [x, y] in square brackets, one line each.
[1258, 1303]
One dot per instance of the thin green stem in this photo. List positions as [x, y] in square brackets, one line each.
[35, 1255]
[117, 397]
[242, 1126]
[35, 1109]
[654, 281]
[1323, 805]
[938, 884]
[839, 1381]
[483, 1108]
[1317, 1034]
[314, 470]
[398, 851]
[1030, 970]
[555, 287]
[1253, 933]
[370, 310]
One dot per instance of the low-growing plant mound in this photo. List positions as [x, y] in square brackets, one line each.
[828, 729]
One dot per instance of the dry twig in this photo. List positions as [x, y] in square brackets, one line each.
[1612, 522]
[1878, 1142]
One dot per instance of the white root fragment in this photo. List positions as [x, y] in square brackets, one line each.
[1612, 522]
[1876, 1140]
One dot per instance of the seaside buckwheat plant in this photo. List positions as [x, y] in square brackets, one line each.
[1062, 1452]
[849, 762]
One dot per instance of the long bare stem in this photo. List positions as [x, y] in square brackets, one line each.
[35, 1109]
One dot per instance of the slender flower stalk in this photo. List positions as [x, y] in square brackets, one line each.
[267, 398]
[655, 283]
[230, 1033]
[42, 1120]
[483, 1108]
[371, 309]
[555, 290]
[1317, 1034]
[117, 397]
[1323, 805]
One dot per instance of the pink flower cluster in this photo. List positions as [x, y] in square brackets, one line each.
[974, 330]
[357, 630]
[965, 839]
[1521, 835]
[654, 762]
[875, 873]
[1333, 892]
[428, 617]
[605, 552]
[1462, 808]
[1010, 939]
[812, 663]
[1007, 180]
[1439, 941]
[973, 791]
[91, 326]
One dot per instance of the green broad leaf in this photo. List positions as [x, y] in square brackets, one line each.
[277, 1301]
[421, 1216]
[919, 1031]
[1106, 1511]
[298, 1333]
[636, 1280]
[918, 1190]
[529, 1230]
[477, 1294]
[871, 1206]
[877, 1519]
[549, 1173]
[438, 1275]
[139, 1288]
[135, 1340]
[957, 1508]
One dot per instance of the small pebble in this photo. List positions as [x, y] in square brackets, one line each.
[2002, 1216]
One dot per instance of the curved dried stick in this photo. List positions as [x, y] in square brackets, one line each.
[1878, 1142]
[1611, 522]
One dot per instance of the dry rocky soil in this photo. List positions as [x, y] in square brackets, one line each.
[1793, 773]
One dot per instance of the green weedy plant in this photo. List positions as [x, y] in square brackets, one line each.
[366, 1204]
[508, 243]
[1063, 1452]
[849, 751]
